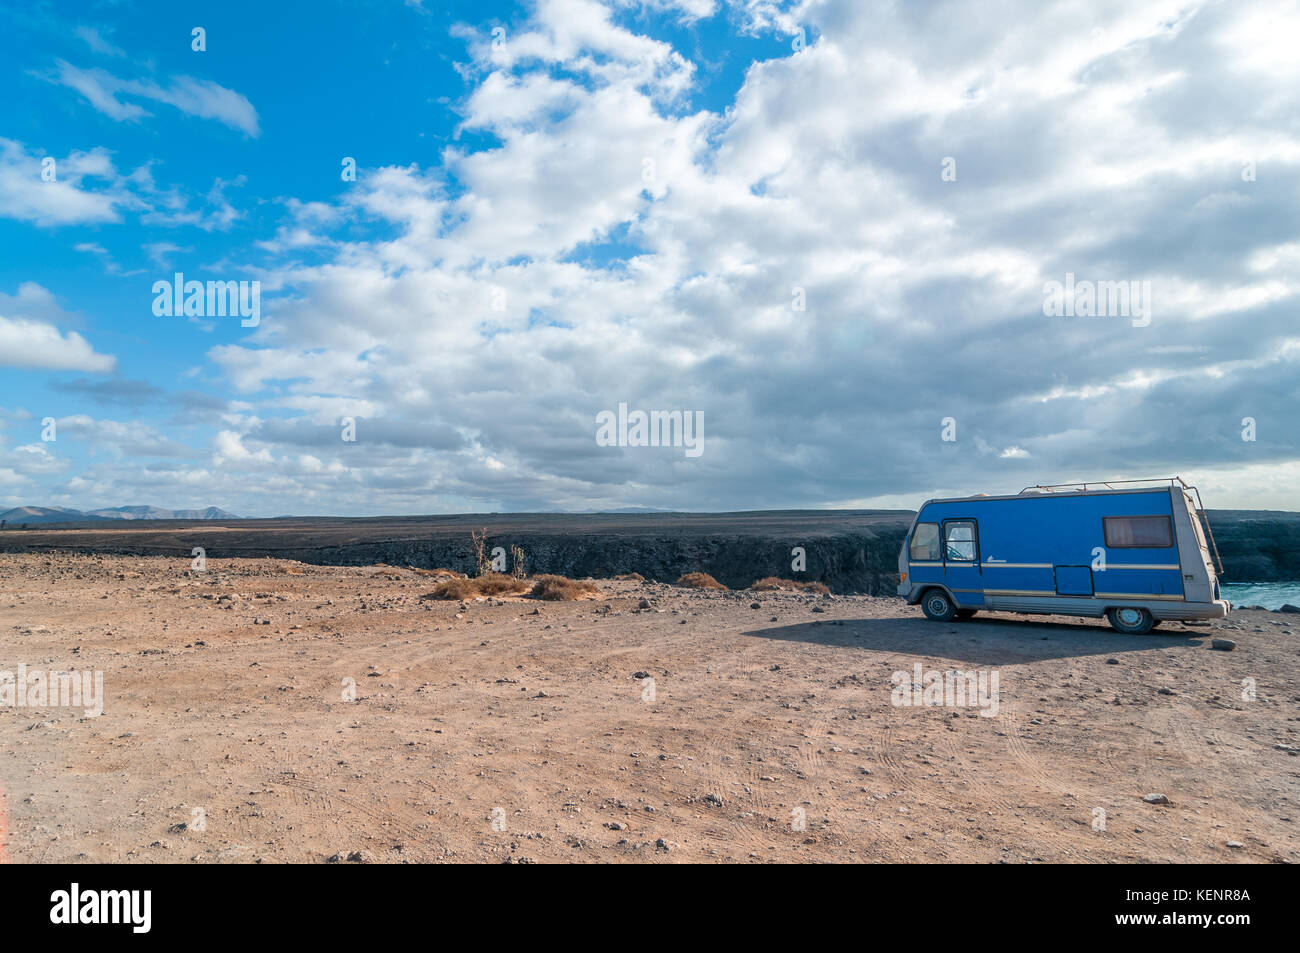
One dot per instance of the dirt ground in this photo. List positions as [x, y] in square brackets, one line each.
[514, 730]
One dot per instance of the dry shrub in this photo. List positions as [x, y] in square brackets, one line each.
[492, 584]
[771, 583]
[630, 577]
[699, 580]
[437, 573]
[478, 543]
[499, 584]
[560, 589]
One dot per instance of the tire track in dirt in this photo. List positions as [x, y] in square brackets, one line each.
[1019, 738]
[426, 847]
[976, 780]
[744, 795]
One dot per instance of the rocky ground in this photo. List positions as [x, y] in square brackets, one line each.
[513, 730]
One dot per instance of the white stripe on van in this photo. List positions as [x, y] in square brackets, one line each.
[1140, 566]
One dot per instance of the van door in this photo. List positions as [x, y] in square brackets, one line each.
[1073, 580]
[961, 562]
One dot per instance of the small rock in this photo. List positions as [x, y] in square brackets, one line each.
[1235, 844]
[1223, 645]
[1156, 799]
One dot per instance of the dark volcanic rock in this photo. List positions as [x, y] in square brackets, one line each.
[1257, 545]
[851, 551]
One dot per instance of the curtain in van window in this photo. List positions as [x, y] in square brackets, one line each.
[1138, 532]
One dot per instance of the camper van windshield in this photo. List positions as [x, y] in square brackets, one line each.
[925, 542]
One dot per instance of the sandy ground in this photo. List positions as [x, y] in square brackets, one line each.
[512, 730]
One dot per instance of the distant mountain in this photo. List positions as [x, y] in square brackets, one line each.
[60, 514]
[41, 514]
[619, 511]
[156, 513]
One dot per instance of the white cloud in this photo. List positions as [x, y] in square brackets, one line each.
[70, 198]
[196, 97]
[33, 344]
[96, 41]
[26, 340]
[669, 283]
[160, 253]
[614, 244]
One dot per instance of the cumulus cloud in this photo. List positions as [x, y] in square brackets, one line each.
[85, 188]
[614, 248]
[29, 339]
[851, 252]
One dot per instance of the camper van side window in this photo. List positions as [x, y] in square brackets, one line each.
[959, 541]
[925, 542]
[1138, 532]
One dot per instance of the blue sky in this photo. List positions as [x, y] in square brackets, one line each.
[616, 202]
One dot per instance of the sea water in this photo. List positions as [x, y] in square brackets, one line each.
[1270, 595]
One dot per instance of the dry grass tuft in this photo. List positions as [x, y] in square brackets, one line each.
[437, 573]
[560, 589]
[630, 577]
[771, 583]
[699, 580]
[491, 584]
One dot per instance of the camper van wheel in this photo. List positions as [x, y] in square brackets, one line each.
[937, 606]
[1131, 620]
[966, 613]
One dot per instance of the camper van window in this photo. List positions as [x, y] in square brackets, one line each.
[925, 542]
[1138, 532]
[960, 541]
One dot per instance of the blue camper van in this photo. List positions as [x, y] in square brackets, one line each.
[1138, 555]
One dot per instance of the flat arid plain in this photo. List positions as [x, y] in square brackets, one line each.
[515, 730]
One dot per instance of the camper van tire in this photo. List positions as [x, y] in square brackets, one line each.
[1131, 620]
[937, 606]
